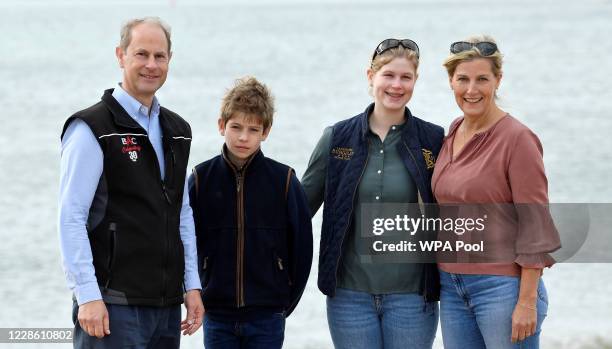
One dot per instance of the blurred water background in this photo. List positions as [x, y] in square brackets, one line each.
[58, 56]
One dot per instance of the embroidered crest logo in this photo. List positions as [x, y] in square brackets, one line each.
[131, 147]
[342, 153]
[430, 159]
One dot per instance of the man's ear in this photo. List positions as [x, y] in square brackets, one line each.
[120, 55]
[221, 125]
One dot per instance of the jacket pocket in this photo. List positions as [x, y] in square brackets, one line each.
[284, 277]
[205, 271]
[112, 251]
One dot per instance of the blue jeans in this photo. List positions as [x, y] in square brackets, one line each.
[476, 311]
[263, 333]
[362, 320]
[134, 327]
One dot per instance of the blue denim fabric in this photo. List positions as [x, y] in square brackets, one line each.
[134, 327]
[476, 311]
[361, 320]
[263, 333]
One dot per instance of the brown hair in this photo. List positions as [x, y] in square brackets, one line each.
[250, 97]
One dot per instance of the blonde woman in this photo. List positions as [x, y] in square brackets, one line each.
[377, 156]
[491, 157]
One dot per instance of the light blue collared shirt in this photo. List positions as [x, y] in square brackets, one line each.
[81, 167]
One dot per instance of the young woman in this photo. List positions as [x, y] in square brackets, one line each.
[489, 157]
[383, 155]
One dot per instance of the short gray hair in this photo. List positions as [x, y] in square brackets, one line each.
[126, 30]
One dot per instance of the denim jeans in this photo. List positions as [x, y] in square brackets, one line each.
[134, 327]
[267, 332]
[361, 320]
[476, 311]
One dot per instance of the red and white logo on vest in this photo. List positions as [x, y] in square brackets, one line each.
[130, 147]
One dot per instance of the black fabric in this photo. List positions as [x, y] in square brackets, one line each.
[136, 245]
[347, 161]
[265, 254]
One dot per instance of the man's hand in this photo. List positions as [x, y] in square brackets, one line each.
[93, 318]
[195, 312]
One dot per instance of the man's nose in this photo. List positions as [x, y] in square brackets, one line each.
[151, 62]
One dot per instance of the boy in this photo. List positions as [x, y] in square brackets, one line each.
[253, 229]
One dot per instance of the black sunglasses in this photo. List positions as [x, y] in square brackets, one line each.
[388, 44]
[485, 48]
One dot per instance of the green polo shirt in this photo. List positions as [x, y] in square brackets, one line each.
[385, 180]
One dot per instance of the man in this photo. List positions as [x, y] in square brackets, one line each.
[125, 224]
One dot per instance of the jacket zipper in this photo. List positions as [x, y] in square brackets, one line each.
[166, 235]
[164, 270]
[167, 238]
[348, 224]
[425, 271]
[240, 240]
[240, 302]
[168, 200]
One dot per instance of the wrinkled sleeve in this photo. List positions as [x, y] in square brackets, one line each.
[300, 228]
[313, 180]
[537, 235]
[188, 237]
[81, 166]
[192, 186]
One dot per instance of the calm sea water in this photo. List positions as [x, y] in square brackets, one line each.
[57, 57]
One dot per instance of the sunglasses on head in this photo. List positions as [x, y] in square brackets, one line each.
[388, 44]
[485, 48]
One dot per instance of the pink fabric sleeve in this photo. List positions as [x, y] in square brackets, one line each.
[537, 235]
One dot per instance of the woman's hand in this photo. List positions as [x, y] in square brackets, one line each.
[525, 314]
[524, 321]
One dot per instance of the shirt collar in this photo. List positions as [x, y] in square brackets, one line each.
[132, 106]
[225, 155]
[365, 124]
[392, 128]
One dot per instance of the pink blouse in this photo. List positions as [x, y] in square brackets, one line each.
[500, 165]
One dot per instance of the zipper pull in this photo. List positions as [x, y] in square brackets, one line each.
[166, 193]
[205, 263]
[238, 181]
[280, 263]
